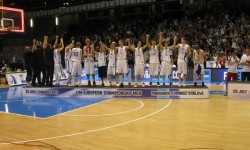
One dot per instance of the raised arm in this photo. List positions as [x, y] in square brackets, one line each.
[45, 41]
[147, 41]
[174, 46]
[129, 44]
[104, 46]
[62, 44]
[56, 41]
[160, 41]
[34, 46]
[70, 46]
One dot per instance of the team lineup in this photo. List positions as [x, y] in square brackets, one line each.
[112, 61]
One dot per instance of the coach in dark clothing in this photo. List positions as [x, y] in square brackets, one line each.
[28, 64]
[48, 62]
[36, 62]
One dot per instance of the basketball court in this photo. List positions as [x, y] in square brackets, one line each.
[123, 123]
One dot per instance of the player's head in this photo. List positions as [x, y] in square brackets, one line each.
[166, 43]
[112, 45]
[27, 49]
[57, 46]
[102, 49]
[139, 44]
[120, 42]
[39, 44]
[87, 41]
[153, 41]
[183, 40]
[247, 52]
[78, 44]
[197, 47]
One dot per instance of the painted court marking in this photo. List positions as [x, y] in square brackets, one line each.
[110, 114]
[10, 101]
[95, 130]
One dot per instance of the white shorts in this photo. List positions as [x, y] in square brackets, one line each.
[139, 70]
[154, 69]
[89, 67]
[122, 66]
[68, 65]
[166, 68]
[196, 67]
[182, 66]
[76, 69]
[58, 69]
[111, 70]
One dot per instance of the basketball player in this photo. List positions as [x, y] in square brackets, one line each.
[57, 60]
[48, 62]
[68, 61]
[36, 58]
[88, 54]
[112, 61]
[232, 74]
[102, 66]
[28, 64]
[122, 63]
[76, 58]
[139, 62]
[166, 63]
[198, 59]
[154, 58]
[245, 62]
[182, 62]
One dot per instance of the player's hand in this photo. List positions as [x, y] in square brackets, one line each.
[100, 42]
[175, 38]
[61, 39]
[147, 36]
[34, 40]
[57, 37]
[161, 33]
[127, 39]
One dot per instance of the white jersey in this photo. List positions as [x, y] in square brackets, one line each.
[76, 55]
[88, 50]
[166, 53]
[122, 55]
[182, 52]
[233, 65]
[154, 55]
[197, 57]
[101, 59]
[244, 59]
[67, 55]
[139, 58]
[57, 57]
[112, 58]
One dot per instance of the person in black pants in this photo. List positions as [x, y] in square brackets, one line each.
[28, 64]
[36, 62]
[48, 62]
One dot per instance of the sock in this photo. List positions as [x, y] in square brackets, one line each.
[164, 79]
[79, 79]
[195, 77]
[93, 76]
[151, 77]
[179, 75]
[184, 79]
[128, 76]
[88, 77]
[170, 78]
[136, 79]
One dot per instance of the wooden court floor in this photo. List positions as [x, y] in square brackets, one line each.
[217, 123]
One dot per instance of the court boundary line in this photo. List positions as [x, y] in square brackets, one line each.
[105, 100]
[94, 130]
[110, 114]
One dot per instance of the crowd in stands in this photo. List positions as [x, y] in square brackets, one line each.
[219, 30]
